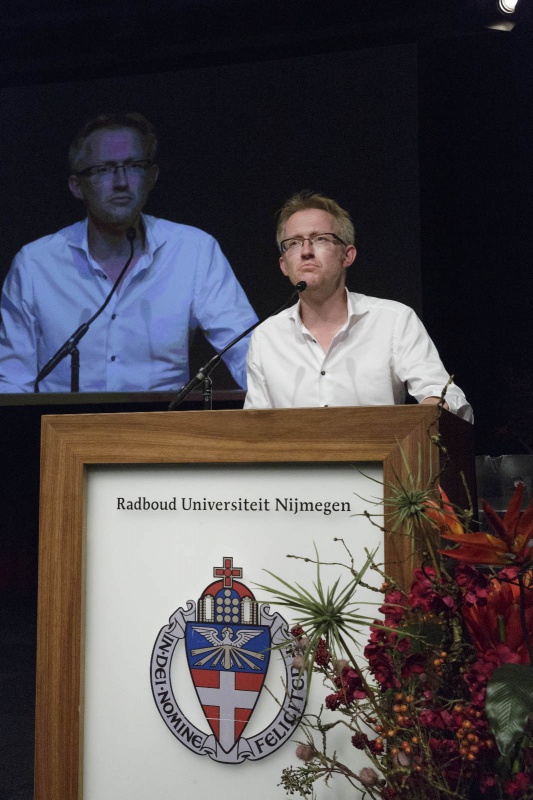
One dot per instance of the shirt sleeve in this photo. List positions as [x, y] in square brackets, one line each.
[257, 395]
[418, 363]
[221, 308]
[18, 331]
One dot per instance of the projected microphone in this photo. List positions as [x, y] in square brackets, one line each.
[206, 370]
[70, 346]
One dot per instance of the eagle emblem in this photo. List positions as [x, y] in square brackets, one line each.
[228, 638]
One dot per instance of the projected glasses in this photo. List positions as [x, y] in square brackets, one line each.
[320, 241]
[132, 168]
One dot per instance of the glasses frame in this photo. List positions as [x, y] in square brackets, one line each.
[311, 239]
[110, 168]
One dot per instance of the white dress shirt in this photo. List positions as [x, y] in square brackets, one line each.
[382, 350]
[141, 340]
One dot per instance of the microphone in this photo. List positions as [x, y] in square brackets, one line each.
[206, 370]
[70, 345]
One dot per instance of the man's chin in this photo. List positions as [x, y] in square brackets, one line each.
[117, 221]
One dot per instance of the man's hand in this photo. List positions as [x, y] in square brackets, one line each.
[434, 401]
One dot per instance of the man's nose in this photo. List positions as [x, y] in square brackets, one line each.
[120, 176]
[307, 248]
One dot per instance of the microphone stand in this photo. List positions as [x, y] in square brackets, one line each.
[70, 347]
[203, 374]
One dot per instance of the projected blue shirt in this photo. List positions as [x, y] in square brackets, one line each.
[140, 342]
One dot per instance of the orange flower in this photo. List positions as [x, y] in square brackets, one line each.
[509, 545]
[443, 515]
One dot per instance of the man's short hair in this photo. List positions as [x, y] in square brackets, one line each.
[305, 200]
[132, 120]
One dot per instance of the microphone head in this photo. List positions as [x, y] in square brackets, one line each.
[300, 286]
[131, 233]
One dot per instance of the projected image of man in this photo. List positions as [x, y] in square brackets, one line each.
[178, 280]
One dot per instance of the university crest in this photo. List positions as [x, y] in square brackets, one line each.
[228, 639]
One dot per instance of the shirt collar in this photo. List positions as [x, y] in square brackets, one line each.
[357, 305]
[78, 237]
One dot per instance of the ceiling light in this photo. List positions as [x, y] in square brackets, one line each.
[507, 6]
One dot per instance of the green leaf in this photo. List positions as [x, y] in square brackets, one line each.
[423, 636]
[509, 703]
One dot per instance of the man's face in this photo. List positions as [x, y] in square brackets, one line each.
[113, 200]
[322, 268]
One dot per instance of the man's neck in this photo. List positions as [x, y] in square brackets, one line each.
[323, 317]
[110, 247]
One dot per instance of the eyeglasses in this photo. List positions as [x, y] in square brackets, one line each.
[320, 241]
[132, 167]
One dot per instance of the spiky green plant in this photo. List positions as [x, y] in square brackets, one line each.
[330, 614]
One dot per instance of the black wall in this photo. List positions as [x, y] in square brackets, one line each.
[476, 148]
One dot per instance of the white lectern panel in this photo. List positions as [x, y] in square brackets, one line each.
[154, 536]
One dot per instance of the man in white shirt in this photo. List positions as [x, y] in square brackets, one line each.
[178, 279]
[334, 347]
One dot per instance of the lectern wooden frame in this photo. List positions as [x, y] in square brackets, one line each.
[72, 443]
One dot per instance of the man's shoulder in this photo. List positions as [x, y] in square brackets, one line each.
[71, 234]
[175, 231]
[361, 303]
[278, 322]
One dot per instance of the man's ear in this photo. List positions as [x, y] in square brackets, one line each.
[75, 188]
[153, 176]
[282, 266]
[349, 258]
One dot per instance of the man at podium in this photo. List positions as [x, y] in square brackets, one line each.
[177, 279]
[335, 347]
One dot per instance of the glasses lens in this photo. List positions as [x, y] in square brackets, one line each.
[100, 171]
[321, 241]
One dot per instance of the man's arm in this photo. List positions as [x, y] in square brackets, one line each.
[221, 307]
[257, 395]
[18, 346]
[419, 365]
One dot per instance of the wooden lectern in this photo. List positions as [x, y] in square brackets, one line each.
[71, 444]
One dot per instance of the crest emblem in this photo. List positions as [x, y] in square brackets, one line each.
[228, 638]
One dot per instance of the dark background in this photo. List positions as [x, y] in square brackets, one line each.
[410, 113]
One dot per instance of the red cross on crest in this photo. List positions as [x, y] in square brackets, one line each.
[227, 572]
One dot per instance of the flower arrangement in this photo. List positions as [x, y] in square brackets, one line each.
[442, 702]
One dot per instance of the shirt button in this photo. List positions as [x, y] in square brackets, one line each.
[322, 373]
[113, 358]
[114, 316]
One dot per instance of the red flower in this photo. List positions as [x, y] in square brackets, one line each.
[426, 593]
[360, 741]
[518, 784]
[393, 609]
[350, 688]
[413, 665]
[474, 584]
[481, 671]
[509, 545]
[322, 654]
[498, 622]
[333, 701]
[438, 718]
[352, 685]
[487, 783]
[382, 668]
